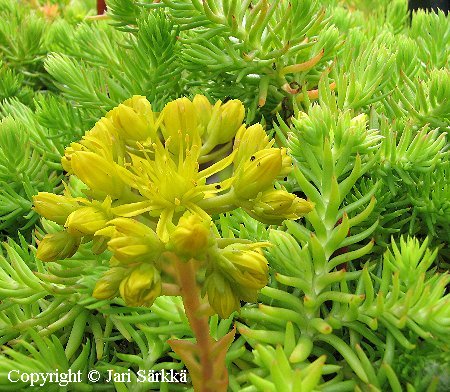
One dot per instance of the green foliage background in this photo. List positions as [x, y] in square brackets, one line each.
[358, 287]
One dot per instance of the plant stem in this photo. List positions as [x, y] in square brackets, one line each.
[170, 289]
[218, 204]
[186, 273]
[101, 7]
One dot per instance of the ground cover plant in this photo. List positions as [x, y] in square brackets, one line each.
[252, 195]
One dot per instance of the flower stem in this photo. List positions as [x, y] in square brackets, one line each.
[170, 289]
[186, 274]
[218, 204]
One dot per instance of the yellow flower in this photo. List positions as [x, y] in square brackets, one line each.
[134, 119]
[54, 207]
[245, 267]
[141, 286]
[151, 169]
[66, 160]
[181, 125]
[191, 237]
[87, 220]
[57, 246]
[257, 173]
[250, 140]
[232, 115]
[203, 109]
[132, 241]
[221, 295]
[171, 184]
[103, 139]
[98, 173]
[225, 121]
[274, 206]
[286, 163]
[108, 285]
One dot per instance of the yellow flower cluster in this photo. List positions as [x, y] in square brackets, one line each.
[152, 182]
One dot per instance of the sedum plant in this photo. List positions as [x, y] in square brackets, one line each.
[275, 47]
[36, 124]
[149, 202]
[327, 299]
[348, 296]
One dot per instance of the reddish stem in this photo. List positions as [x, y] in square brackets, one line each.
[199, 324]
[101, 7]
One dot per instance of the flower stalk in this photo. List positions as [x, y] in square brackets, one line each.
[208, 371]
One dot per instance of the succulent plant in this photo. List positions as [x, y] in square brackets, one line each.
[254, 191]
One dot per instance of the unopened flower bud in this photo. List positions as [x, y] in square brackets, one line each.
[133, 241]
[232, 114]
[277, 200]
[108, 285]
[97, 173]
[57, 246]
[142, 286]
[203, 109]
[248, 141]
[134, 119]
[66, 160]
[103, 140]
[54, 207]
[221, 296]
[191, 237]
[246, 268]
[225, 121]
[258, 173]
[180, 119]
[86, 221]
[274, 206]
[286, 163]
